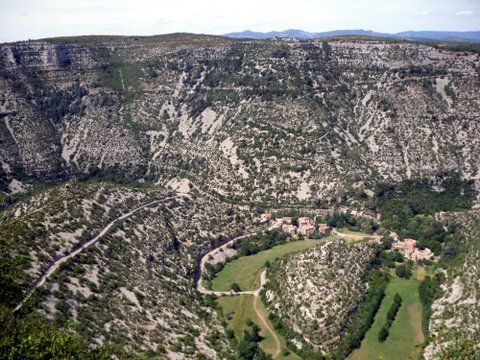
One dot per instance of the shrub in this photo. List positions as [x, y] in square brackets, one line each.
[403, 271]
[383, 334]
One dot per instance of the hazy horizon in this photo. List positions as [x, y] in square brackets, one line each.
[33, 19]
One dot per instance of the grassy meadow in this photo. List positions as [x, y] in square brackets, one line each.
[246, 270]
[238, 309]
[406, 334]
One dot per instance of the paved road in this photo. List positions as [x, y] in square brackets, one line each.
[54, 267]
[203, 262]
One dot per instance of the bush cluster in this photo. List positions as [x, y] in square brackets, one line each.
[392, 313]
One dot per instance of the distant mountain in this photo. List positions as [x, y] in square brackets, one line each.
[415, 35]
[441, 35]
[248, 34]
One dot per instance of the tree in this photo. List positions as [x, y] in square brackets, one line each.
[397, 299]
[236, 287]
[383, 334]
[403, 271]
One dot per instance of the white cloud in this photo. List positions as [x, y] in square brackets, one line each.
[422, 13]
[465, 13]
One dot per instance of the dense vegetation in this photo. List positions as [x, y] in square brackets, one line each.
[260, 242]
[389, 259]
[391, 314]
[354, 223]
[404, 271]
[363, 319]
[398, 204]
[408, 208]
[32, 337]
[11, 269]
[429, 290]
[248, 348]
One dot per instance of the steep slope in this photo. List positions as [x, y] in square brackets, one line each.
[456, 312]
[274, 120]
[226, 121]
[316, 291]
[133, 288]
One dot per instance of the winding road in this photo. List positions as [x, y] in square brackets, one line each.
[256, 306]
[55, 266]
[201, 289]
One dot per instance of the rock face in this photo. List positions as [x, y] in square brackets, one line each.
[46, 56]
[277, 119]
[317, 290]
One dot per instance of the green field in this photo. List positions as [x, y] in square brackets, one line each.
[354, 233]
[237, 309]
[246, 270]
[406, 334]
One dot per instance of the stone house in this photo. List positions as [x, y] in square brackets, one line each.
[324, 229]
[305, 221]
[306, 230]
[289, 228]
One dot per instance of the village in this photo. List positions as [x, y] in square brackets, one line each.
[408, 248]
[303, 226]
[306, 226]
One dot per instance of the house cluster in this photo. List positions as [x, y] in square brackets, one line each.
[409, 249]
[366, 213]
[306, 226]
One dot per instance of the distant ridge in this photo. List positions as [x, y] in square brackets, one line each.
[414, 35]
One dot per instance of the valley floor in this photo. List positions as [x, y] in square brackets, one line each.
[406, 334]
[239, 309]
[246, 270]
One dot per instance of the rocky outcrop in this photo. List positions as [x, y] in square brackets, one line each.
[45, 56]
[456, 311]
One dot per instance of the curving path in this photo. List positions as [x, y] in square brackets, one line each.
[201, 289]
[263, 279]
[54, 267]
[266, 324]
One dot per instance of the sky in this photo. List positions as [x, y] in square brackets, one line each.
[34, 19]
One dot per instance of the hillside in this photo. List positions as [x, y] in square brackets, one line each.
[316, 291]
[135, 286]
[273, 120]
[124, 160]
[456, 310]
